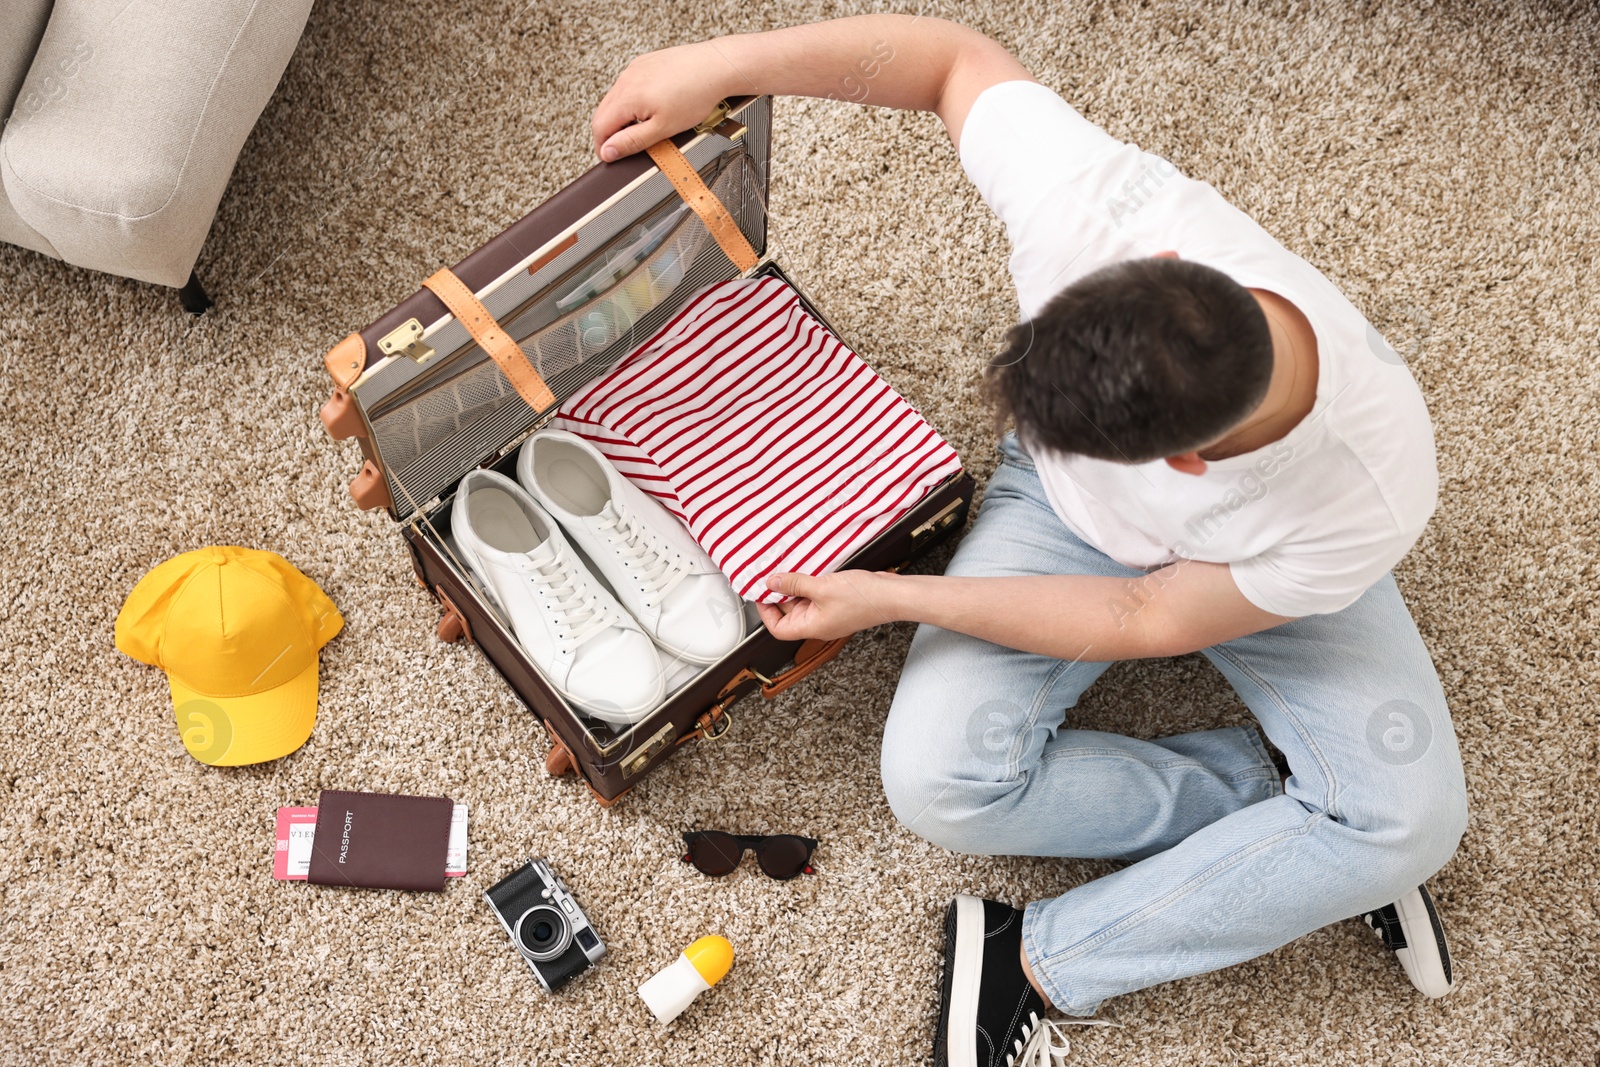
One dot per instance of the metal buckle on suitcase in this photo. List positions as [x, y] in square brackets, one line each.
[576, 285]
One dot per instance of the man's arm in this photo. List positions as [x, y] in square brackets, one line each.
[1181, 608]
[901, 61]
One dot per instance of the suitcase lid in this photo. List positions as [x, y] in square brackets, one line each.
[579, 282]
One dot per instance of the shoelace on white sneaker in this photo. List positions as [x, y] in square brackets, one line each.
[580, 615]
[654, 564]
[1044, 1043]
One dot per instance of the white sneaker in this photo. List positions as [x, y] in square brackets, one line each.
[653, 565]
[572, 629]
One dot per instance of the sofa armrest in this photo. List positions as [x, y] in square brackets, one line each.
[121, 166]
[20, 33]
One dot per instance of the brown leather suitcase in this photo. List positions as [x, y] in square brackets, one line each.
[461, 372]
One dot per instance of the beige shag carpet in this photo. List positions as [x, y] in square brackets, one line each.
[1437, 160]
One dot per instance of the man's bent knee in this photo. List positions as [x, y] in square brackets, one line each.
[1434, 830]
[1417, 842]
[933, 787]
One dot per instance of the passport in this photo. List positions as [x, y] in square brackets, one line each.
[381, 841]
[295, 828]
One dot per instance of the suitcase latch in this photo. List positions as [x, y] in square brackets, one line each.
[636, 762]
[406, 340]
[713, 120]
[945, 519]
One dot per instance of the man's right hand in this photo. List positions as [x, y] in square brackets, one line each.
[657, 95]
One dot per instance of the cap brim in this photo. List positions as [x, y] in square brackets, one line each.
[234, 731]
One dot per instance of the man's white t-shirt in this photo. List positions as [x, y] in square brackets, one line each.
[1305, 524]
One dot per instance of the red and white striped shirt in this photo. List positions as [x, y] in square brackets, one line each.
[776, 445]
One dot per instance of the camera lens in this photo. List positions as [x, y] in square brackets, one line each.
[543, 933]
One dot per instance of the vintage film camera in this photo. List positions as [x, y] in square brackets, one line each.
[545, 924]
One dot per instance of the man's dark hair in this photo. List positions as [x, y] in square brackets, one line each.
[1138, 361]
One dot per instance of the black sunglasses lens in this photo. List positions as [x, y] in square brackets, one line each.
[783, 856]
[714, 853]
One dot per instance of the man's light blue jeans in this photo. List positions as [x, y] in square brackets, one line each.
[1230, 865]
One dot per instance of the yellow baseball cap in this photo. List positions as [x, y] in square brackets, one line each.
[237, 631]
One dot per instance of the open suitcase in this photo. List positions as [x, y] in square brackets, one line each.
[460, 373]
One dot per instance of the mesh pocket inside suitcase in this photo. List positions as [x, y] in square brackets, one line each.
[572, 332]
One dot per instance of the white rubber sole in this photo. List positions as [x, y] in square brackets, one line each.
[1422, 928]
[967, 977]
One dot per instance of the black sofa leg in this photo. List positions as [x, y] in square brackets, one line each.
[193, 297]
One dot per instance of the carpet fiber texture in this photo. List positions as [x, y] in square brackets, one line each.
[1437, 160]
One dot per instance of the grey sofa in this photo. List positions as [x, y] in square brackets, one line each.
[125, 118]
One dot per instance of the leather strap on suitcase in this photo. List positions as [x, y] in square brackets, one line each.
[703, 202]
[506, 353]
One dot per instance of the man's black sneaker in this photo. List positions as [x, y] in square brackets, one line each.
[989, 1016]
[1411, 927]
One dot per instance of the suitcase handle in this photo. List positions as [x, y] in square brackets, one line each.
[811, 654]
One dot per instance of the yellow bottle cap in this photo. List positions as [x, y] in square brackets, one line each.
[711, 956]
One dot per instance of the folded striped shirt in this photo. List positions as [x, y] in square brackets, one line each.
[776, 445]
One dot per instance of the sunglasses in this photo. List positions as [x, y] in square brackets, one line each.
[781, 856]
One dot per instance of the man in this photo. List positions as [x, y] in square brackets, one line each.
[1213, 452]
